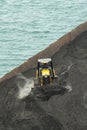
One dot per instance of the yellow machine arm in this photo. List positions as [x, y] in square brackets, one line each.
[36, 73]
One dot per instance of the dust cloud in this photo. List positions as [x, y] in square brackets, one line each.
[68, 87]
[25, 86]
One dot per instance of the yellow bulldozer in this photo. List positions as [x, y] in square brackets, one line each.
[45, 73]
[47, 83]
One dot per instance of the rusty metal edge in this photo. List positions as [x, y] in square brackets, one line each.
[48, 52]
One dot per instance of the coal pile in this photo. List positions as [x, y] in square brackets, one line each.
[19, 109]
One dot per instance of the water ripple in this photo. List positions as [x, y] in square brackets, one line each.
[27, 27]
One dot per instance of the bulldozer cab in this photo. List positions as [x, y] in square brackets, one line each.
[45, 67]
[45, 72]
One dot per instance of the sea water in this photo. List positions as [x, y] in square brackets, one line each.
[29, 26]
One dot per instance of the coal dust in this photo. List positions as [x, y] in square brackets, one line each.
[25, 86]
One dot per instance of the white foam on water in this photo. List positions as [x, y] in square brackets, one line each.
[25, 86]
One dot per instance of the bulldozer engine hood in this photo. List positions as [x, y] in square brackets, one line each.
[45, 72]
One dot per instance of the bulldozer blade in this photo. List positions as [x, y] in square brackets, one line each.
[46, 92]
